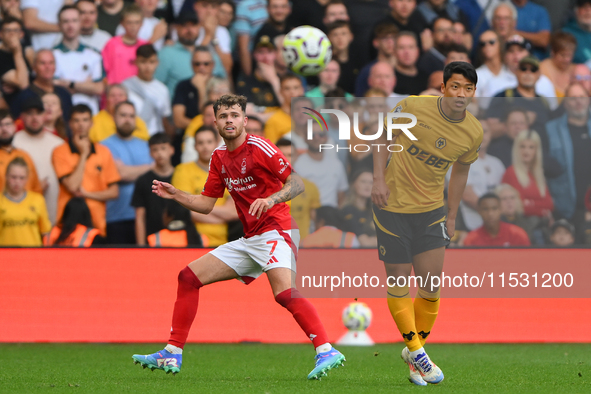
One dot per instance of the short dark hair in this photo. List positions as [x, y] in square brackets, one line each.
[205, 128]
[383, 29]
[126, 102]
[81, 109]
[207, 104]
[462, 68]
[256, 119]
[487, 196]
[287, 77]
[229, 100]
[11, 19]
[66, 8]
[439, 18]
[283, 142]
[131, 9]
[336, 25]
[159, 138]
[458, 48]
[145, 51]
[86, 1]
[330, 215]
[4, 113]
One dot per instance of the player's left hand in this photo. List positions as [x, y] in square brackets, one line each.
[259, 206]
[450, 226]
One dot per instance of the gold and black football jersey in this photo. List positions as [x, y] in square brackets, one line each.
[416, 174]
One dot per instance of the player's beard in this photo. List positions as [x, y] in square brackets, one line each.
[239, 131]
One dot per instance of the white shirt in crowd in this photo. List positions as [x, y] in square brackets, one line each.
[331, 180]
[47, 12]
[40, 147]
[97, 40]
[145, 32]
[151, 100]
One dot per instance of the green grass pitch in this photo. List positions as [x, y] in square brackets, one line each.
[258, 368]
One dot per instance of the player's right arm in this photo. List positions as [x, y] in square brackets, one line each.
[379, 190]
[194, 202]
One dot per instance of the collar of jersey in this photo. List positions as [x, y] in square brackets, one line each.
[74, 149]
[239, 149]
[65, 49]
[444, 116]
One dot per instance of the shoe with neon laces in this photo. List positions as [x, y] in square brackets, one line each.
[430, 372]
[163, 360]
[325, 362]
[414, 377]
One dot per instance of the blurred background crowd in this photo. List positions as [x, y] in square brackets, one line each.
[101, 97]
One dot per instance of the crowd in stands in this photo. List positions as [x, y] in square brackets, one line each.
[100, 97]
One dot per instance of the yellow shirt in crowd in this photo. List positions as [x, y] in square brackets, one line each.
[22, 223]
[301, 206]
[277, 126]
[103, 126]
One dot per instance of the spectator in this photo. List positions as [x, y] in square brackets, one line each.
[502, 147]
[581, 29]
[153, 30]
[262, 88]
[526, 175]
[255, 126]
[485, 174]
[457, 53]
[215, 36]
[357, 211]
[39, 144]
[335, 10]
[14, 72]
[175, 60]
[327, 82]
[463, 37]
[299, 128]
[504, 20]
[78, 68]
[90, 34]
[191, 92]
[119, 53]
[524, 96]
[216, 88]
[75, 227]
[332, 181]
[533, 24]
[303, 207]
[405, 16]
[308, 12]
[559, 67]
[409, 79]
[85, 169]
[494, 232]
[340, 36]
[250, 17]
[512, 209]
[328, 234]
[279, 123]
[432, 9]
[190, 177]
[568, 140]
[8, 152]
[103, 123]
[10, 8]
[40, 18]
[434, 59]
[110, 13]
[434, 84]
[132, 158]
[582, 76]
[150, 96]
[562, 233]
[23, 215]
[276, 24]
[478, 20]
[53, 121]
[489, 57]
[206, 118]
[381, 76]
[149, 208]
[385, 43]
[364, 16]
[44, 70]
[178, 231]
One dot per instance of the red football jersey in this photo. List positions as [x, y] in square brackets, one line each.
[256, 169]
[509, 235]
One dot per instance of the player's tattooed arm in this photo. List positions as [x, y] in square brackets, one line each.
[294, 186]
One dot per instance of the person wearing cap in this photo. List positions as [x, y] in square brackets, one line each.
[39, 144]
[562, 233]
[523, 95]
[580, 27]
[262, 88]
[175, 60]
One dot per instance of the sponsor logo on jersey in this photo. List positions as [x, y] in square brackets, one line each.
[232, 183]
[428, 158]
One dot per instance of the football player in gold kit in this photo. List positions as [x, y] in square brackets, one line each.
[412, 225]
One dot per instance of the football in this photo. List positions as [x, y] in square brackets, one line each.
[357, 316]
[306, 50]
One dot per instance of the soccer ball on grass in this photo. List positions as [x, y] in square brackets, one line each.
[306, 50]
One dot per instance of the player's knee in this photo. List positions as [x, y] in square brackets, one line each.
[188, 276]
[285, 297]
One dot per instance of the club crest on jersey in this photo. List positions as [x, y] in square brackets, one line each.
[440, 143]
[243, 167]
[223, 169]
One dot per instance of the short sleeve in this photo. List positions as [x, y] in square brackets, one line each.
[472, 155]
[274, 160]
[62, 166]
[214, 185]
[224, 41]
[242, 25]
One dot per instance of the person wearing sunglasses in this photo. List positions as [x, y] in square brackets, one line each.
[559, 67]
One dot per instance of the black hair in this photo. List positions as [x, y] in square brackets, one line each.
[438, 19]
[205, 128]
[459, 48]
[66, 8]
[159, 138]
[11, 19]
[337, 24]
[178, 212]
[76, 212]
[4, 113]
[330, 216]
[283, 142]
[126, 102]
[462, 68]
[81, 109]
[145, 51]
[257, 119]
[487, 196]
